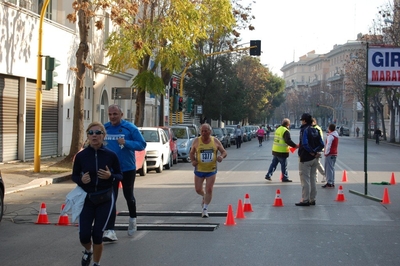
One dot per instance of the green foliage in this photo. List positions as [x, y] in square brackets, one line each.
[149, 82]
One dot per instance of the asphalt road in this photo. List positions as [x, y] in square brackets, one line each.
[357, 231]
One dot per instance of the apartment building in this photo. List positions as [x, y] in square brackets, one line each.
[18, 76]
[316, 83]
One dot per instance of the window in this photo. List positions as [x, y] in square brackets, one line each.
[68, 114]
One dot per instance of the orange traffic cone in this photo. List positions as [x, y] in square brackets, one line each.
[63, 220]
[230, 220]
[240, 213]
[247, 204]
[340, 194]
[120, 185]
[386, 199]
[344, 178]
[393, 180]
[278, 201]
[43, 218]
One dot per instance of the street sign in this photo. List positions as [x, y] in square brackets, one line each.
[199, 109]
[123, 93]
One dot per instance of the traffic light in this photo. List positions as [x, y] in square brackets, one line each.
[256, 50]
[189, 106]
[180, 104]
[50, 65]
[175, 103]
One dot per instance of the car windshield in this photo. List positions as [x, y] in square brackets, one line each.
[150, 136]
[180, 133]
[218, 132]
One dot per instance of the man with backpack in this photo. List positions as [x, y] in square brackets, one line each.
[311, 145]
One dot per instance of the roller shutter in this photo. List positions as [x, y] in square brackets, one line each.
[49, 121]
[8, 118]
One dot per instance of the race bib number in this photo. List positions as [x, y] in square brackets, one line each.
[206, 156]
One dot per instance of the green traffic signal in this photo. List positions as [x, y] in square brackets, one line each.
[50, 65]
[189, 103]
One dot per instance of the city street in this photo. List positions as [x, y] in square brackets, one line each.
[357, 231]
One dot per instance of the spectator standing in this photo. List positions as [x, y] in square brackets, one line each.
[320, 168]
[124, 138]
[280, 150]
[95, 169]
[238, 135]
[204, 157]
[308, 164]
[330, 152]
[357, 131]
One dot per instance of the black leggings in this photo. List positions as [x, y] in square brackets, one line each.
[128, 184]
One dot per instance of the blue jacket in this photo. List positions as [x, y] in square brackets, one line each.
[90, 160]
[134, 141]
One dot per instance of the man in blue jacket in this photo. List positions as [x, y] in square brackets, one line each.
[124, 138]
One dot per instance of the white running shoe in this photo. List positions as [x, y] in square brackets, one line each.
[109, 236]
[204, 214]
[132, 226]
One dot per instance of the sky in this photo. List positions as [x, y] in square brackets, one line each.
[289, 29]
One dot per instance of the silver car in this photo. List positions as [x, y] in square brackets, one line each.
[184, 141]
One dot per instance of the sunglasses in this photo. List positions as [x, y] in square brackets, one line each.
[96, 132]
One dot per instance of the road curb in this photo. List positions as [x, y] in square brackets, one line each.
[39, 182]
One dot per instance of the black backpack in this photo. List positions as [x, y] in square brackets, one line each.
[315, 141]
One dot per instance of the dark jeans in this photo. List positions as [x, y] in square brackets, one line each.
[274, 164]
[128, 183]
[238, 141]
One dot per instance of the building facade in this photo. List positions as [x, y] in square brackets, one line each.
[18, 75]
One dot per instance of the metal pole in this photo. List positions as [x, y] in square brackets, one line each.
[38, 103]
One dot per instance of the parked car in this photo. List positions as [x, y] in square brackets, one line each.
[195, 131]
[157, 149]
[2, 191]
[345, 132]
[184, 141]
[231, 132]
[172, 144]
[219, 134]
[141, 164]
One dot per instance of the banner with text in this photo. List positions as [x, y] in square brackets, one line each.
[384, 66]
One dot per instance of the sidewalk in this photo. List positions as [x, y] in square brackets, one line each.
[19, 176]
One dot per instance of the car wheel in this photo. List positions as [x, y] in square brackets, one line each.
[160, 166]
[143, 171]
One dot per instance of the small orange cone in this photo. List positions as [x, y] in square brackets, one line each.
[63, 220]
[120, 185]
[240, 213]
[247, 204]
[43, 218]
[340, 194]
[386, 199]
[278, 201]
[393, 180]
[230, 220]
[344, 178]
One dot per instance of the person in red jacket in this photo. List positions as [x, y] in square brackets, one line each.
[330, 152]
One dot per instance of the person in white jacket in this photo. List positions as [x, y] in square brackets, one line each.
[331, 152]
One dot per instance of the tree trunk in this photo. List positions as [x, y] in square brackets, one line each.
[140, 103]
[81, 55]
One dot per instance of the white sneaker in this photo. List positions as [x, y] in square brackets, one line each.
[132, 226]
[204, 214]
[323, 179]
[109, 236]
